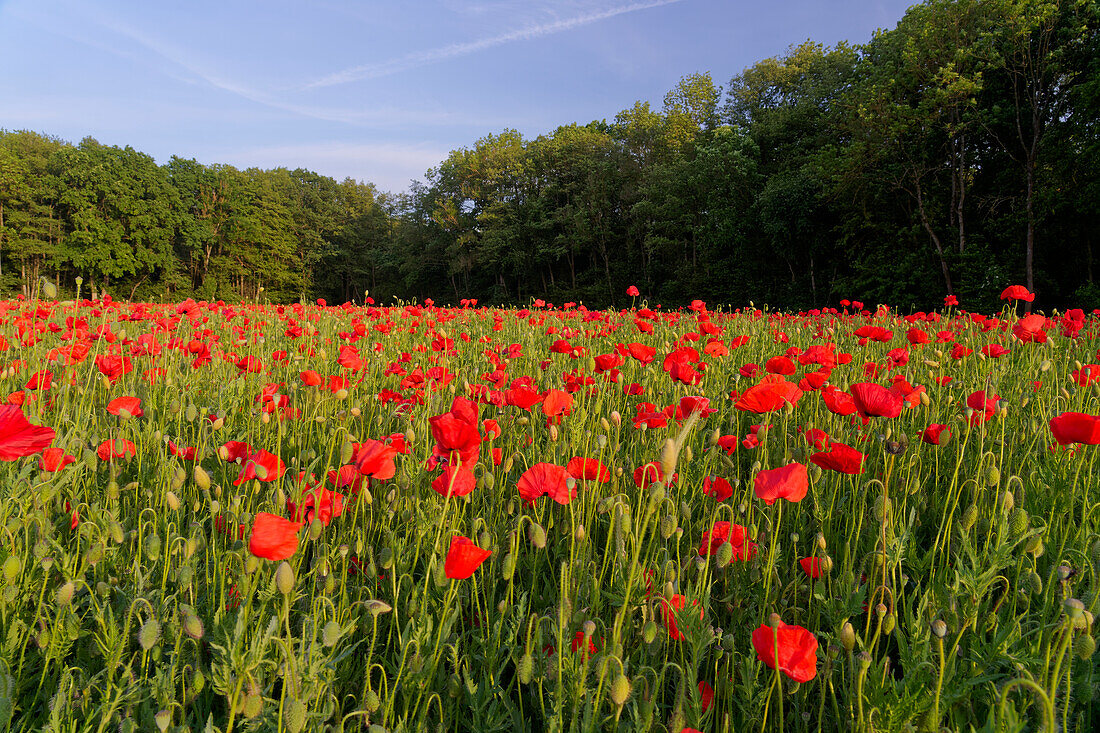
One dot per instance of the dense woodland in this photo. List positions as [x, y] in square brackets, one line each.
[954, 154]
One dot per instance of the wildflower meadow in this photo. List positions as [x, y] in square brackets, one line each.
[258, 517]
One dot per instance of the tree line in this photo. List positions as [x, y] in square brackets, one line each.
[953, 154]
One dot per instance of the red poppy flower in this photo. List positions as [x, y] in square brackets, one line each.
[641, 352]
[793, 647]
[632, 291]
[788, 482]
[670, 609]
[735, 534]
[557, 403]
[113, 366]
[187, 454]
[18, 437]
[578, 644]
[318, 503]
[706, 695]
[841, 458]
[768, 396]
[54, 459]
[455, 437]
[311, 378]
[779, 365]
[1029, 329]
[522, 397]
[588, 469]
[818, 438]
[463, 558]
[261, 465]
[811, 566]
[374, 458]
[1017, 292]
[250, 364]
[273, 537]
[934, 434]
[42, 379]
[717, 488]
[1076, 427]
[874, 400]
[545, 478]
[125, 407]
[454, 481]
[117, 448]
[648, 474]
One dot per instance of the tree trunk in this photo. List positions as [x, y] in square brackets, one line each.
[935, 239]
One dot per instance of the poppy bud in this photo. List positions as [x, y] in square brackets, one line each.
[724, 555]
[553, 433]
[969, 517]
[315, 529]
[1035, 546]
[331, 633]
[163, 719]
[193, 626]
[295, 715]
[508, 566]
[526, 668]
[888, 623]
[284, 578]
[149, 634]
[11, 568]
[668, 525]
[1019, 521]
[152, 546]
[377, 608]
[579, 534]
[649, 631]
[202, 478]
[1074, 608]
[620, 690]
[385, 558]
[65, 594]
[178, 477]
[605, 425]
[536, 535]
[1008, 502]
[848, 636]
[1084, 646]
[253, 703]
[171, 500]
[669, 590]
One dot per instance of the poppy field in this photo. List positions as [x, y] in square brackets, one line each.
[231, 517]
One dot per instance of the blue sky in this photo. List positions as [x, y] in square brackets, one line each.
[378, 91]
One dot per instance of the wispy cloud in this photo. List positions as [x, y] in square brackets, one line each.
[423, 58]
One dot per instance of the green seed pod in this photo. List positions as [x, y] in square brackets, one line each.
[193, 626]
[1084, 646]
[295, 715]
[371, 701]
[508, 566]
[116, 532]
[1018, 523]
[331, 633]
[149, 634]
[64, 594]
[649, 631]
[526, 668]
[848, 636]
[284, 578]
[536, 535]
[12, 566]
[620, 690]
[724, 555]
[888, 623]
